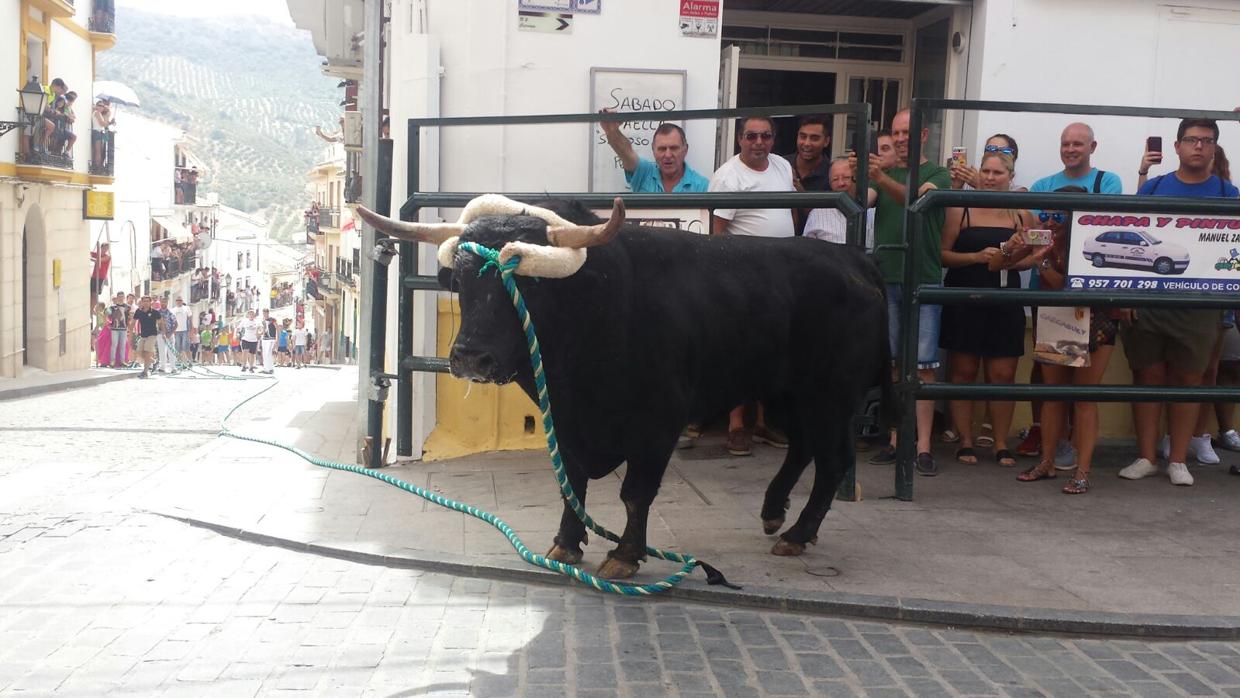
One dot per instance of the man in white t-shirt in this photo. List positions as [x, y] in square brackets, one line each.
[249, 329]
[299, 346]
[181, 313]
[753, 169]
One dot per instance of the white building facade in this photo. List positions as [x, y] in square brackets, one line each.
[474, 58]
[45, 266]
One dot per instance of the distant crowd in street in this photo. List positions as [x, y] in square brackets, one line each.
[141, 332]
[985, 248]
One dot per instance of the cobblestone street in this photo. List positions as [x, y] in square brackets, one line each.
[99, 598]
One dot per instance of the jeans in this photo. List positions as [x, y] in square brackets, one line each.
[927, 329]
[118, 347]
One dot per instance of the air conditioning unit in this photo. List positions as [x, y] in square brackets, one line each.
[353, 130]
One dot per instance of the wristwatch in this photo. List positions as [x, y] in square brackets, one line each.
[1046, 263]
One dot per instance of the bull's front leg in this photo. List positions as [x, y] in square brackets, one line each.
[641, 484]
[832, 457]
[572, 534]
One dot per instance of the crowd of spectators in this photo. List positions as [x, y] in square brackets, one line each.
[159, 336]
[54, 133]
[282, 294]
[986, 248]
[185, 185]
[170, 259]
[205, 285]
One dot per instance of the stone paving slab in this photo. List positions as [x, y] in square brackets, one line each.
[975, 541]
[37, 382]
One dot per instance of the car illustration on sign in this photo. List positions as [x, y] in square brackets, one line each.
[1136, 248]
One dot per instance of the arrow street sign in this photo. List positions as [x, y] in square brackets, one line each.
[549, 22]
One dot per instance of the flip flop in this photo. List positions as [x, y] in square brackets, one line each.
[1035, 473]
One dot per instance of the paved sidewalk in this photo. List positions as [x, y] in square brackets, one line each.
[36, 382]
[974, 538]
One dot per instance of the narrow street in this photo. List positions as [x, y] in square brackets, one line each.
[101, 598]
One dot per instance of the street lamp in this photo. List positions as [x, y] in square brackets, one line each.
[32, 97]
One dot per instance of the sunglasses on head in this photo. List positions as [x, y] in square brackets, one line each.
[1000, 149]
[758, 135]
[1058, 216]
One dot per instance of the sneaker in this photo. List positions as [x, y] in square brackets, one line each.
[1201, 449]
[1031, 445]
[1178, 472]
[770, 437]
[144, 374]
[1164, 447]
[1138, 469]
[886, 456]
[1230, 440]
[738, 443]
[925, 465]
[1065, 455]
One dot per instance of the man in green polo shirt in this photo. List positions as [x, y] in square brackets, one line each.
[928, 269]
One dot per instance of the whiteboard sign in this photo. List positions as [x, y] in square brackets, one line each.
[690, 220]
[624, 91]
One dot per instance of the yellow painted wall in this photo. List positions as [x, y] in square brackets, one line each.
[472, 417]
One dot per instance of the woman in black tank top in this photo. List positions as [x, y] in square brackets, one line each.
[992, 336]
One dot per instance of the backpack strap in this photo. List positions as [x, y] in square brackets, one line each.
[1098, 182]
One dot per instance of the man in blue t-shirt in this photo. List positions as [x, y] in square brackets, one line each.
[668, 172]
[1172, 346]
[1076, 148]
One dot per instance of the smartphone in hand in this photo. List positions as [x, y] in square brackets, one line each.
[960, 156]
[1038, 237]
[1153, 144]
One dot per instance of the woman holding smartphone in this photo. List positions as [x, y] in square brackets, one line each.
[993, 336]
[1051, 263]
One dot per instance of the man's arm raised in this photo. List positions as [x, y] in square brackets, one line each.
[619, 142]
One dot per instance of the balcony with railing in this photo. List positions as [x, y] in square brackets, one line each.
[55, 8]
[102, 153]
[45, 145]
[103, 17]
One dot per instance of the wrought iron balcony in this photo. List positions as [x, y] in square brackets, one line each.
[102, 153]
[103, 18]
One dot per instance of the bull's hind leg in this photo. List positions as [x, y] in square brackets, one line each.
[776, 501]
[833, 454]
[572, 534]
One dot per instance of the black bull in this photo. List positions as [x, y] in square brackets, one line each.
[660, 328]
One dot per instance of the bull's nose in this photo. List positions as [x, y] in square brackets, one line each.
[472, 364]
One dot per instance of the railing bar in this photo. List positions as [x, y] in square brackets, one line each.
[592, 117]
[1085, 109]
[938, 295]
[1123, 203]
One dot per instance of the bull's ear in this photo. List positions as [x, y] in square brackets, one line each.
[445, 279]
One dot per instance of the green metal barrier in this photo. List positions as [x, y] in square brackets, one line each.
[910, 387]
[416, 200]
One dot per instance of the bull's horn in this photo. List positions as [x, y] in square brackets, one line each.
[581, 236]
[434, 233]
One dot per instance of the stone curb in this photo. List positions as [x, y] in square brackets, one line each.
[861, 606]
[15, 393]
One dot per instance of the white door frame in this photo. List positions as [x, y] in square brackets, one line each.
[844, 71]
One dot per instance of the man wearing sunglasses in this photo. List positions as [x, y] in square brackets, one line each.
[752, 170]
[1173, 346]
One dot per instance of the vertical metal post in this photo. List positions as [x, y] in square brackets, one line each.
[906, 445]
[408, 267]
[374, 313]
[861, 146]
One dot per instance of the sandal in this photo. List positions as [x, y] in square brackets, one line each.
[1005, 458]
[949, 436]
[1076, 486]
[1036, 473]
[986, 439]
[966, 456]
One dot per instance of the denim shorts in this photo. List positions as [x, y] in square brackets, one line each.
[927, 329]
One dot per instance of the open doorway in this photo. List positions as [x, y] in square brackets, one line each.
[760, 87]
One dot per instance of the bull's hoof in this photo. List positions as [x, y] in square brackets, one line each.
[786, 548]
[771, 526]
[564, 555]
[615, 568]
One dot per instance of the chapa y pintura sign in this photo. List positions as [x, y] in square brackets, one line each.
[1153, 252]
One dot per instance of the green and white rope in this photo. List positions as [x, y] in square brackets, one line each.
[507, 272]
